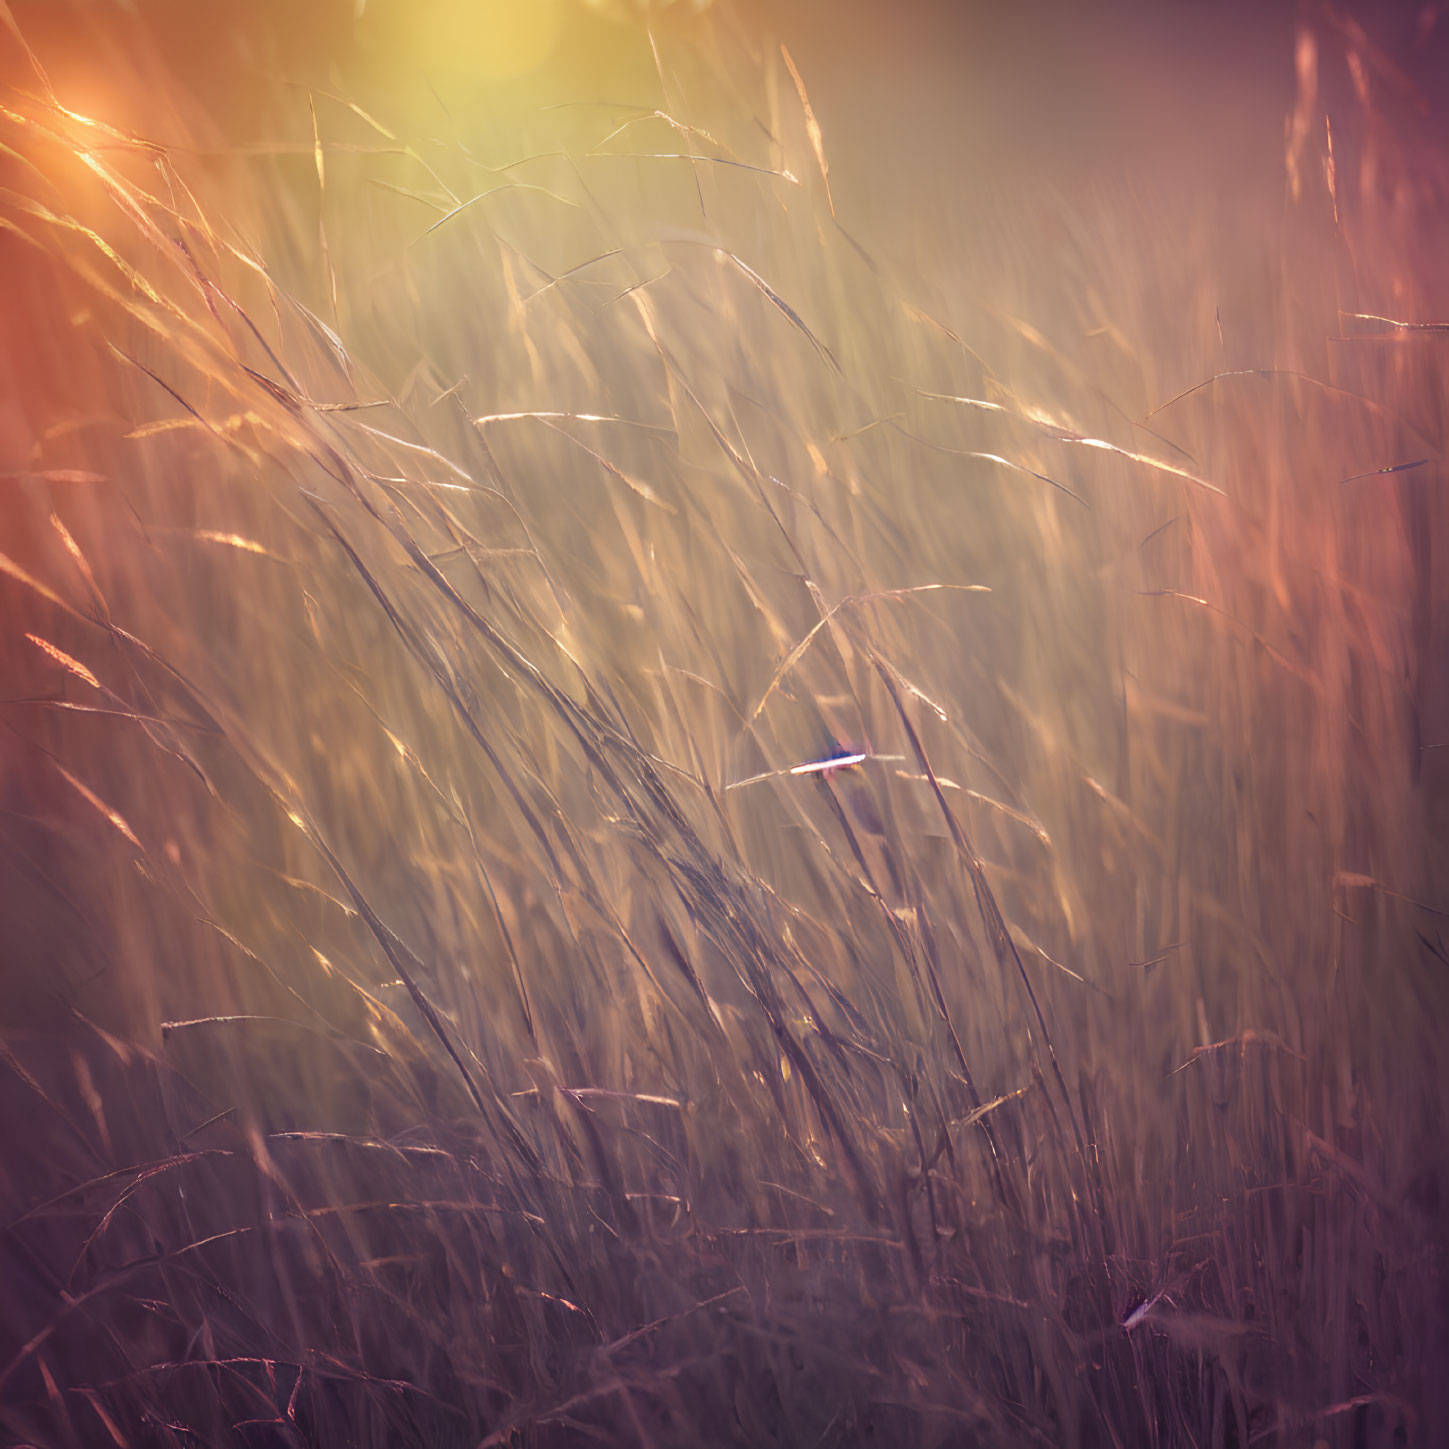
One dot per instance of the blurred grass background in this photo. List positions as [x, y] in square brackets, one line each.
[447, 450]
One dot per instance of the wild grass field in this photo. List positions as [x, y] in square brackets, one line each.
[723, 725]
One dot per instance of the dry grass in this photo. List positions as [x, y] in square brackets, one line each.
[411, 1038]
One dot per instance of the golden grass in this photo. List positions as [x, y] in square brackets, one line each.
[419, 527]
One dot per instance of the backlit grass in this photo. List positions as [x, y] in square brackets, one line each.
[443, 511]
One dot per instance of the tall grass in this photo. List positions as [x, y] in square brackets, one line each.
[439, 1011]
